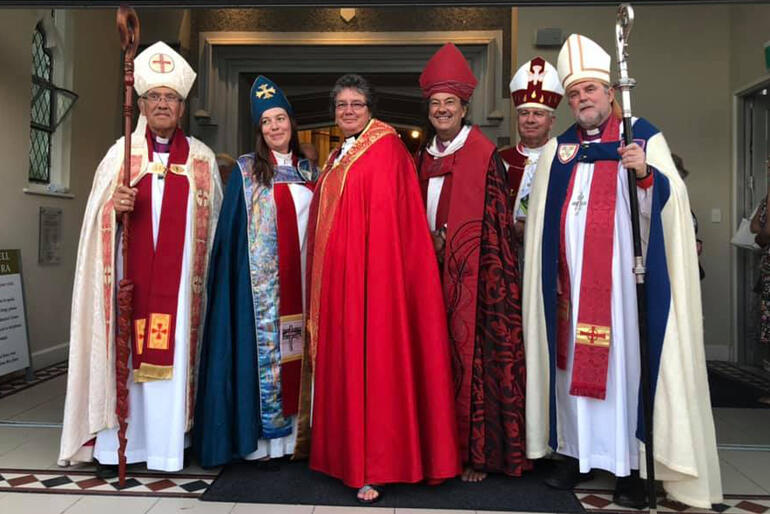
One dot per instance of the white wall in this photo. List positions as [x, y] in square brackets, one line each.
[94, 126]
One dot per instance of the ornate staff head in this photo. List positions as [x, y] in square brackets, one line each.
[128, 28]
[622, 30]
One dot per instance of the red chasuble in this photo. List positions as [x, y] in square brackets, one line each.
[383, 409]
[483, 300]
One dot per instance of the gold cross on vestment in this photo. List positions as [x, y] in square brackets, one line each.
[266, 91]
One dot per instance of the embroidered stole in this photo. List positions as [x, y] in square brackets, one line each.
[276, 283]
[155, 269]
[292, 318]
[593, 329]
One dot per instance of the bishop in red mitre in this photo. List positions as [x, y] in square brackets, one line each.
[465, 193]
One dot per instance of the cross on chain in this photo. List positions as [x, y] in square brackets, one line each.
[162, 62]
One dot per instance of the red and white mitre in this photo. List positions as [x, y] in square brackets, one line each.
[580, 59]
[536, 85]
[160, 66]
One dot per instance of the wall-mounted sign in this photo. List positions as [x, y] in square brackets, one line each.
[14, 351]
[49, 245]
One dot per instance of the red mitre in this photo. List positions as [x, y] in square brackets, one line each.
[448, 72]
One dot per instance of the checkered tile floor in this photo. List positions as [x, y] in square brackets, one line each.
[599, 501]
[86, 482]
[14, 386]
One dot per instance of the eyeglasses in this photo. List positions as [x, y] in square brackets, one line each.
[356, 106]
[155, 98]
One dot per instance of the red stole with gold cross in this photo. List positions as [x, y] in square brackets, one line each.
[592, 332]
[156, 269]
[292, 319]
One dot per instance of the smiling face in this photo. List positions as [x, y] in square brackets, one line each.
[275, 125]
[351, 111]
[534, 126]
[163, 108]
[591, 102]
[446, 113]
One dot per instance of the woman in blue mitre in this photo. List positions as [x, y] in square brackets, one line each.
[251, 351]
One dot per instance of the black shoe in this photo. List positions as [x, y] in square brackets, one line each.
[106, 471]
[630, 491]
[567, 475]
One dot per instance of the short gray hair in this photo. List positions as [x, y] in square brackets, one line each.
[353, 81]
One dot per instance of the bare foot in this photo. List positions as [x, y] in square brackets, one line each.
[471, 475]
[368, 494]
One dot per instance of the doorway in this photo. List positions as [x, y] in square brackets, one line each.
[752, 180]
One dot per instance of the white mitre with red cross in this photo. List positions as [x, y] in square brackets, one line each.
[160, 66]
[580, 59]
[536, 85]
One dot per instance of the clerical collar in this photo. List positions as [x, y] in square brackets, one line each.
[442, 145]
[594, 133]
[161, 144]
[282, 159]
[529, 151]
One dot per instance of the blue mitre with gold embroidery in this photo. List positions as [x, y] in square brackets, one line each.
[265, 94]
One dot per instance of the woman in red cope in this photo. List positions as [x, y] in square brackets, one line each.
[249, 374]
[378, 348]
[469, 211]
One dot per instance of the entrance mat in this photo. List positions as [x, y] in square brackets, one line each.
[295, 483]
[733, 387]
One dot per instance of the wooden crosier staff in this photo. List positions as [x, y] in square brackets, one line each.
[623, 26]
[128, 28]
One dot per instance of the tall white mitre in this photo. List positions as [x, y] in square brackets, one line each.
[581, 58]
[160, 66]
[536, 85]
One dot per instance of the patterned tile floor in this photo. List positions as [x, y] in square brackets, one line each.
[19, 384]
[30, 481]
[86, 482]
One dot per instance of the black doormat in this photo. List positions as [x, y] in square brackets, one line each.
[730, 390]
[295, 483]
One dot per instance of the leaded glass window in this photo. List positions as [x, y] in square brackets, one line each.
[41, 109]
[50, 105]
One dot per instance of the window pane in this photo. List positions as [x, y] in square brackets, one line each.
[41, 109]
[39, 157]
[41, 61]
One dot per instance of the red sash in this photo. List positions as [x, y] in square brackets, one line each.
[156, 268]
[441, 166]
[292, 319]
[592, 332]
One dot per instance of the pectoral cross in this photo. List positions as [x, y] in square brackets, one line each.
[579, 203]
